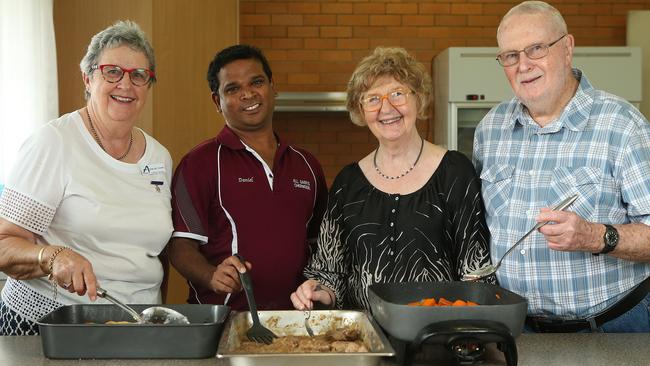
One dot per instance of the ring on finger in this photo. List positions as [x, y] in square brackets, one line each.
[66, 285]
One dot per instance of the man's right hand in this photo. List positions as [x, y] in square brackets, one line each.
[225, 279]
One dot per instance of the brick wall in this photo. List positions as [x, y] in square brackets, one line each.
[315, 45]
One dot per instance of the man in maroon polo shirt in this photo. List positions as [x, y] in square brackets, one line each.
[247, 192]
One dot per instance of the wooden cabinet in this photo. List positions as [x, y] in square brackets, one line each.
[185, 36]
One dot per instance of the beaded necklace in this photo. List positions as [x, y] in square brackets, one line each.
[374, 162]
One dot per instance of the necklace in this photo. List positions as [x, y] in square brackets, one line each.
[99, 142]
[374, 162]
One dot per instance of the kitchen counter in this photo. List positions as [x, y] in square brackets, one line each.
[534, 349]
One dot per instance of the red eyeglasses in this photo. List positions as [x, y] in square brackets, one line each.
[114, 73]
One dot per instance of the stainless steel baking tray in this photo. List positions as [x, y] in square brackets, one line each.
[79, 331]
[292, 323]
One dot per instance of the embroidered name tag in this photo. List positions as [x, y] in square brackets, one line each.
[246, 180]
[154, 168]
[303, 184]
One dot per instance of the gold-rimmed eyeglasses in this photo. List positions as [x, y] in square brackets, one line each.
[373, 102]
[115, 73]
[533, 52]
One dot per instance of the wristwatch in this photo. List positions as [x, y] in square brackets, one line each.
[610, 238]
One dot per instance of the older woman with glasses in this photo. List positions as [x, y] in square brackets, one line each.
[409, 210]
[88, 202]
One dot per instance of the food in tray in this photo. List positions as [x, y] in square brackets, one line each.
[112, 322]
[342, 340]
[431, 301]
[119, 322]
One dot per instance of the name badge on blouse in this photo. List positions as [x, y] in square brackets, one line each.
[151, 169]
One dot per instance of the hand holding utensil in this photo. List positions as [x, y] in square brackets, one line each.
[257, 332]
[490, 269]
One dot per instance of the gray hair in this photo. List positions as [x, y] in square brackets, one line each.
[537, 7]
[122, 33]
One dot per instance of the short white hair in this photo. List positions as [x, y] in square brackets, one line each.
[537, 7]
[122, 33]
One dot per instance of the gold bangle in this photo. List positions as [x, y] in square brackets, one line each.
[40, 258]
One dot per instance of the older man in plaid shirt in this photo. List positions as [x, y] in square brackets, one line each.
[588, 270]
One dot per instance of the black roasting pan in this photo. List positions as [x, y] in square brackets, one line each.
[388, 304]
[79, 331]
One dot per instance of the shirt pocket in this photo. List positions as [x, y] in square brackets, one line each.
[595, 190]
[496, 185]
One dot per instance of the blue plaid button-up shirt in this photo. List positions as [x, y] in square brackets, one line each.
[599, 148]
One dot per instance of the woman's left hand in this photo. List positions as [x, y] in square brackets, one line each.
[309, 292]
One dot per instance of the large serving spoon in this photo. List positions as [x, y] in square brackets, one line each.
[150, 315]
[490, 269]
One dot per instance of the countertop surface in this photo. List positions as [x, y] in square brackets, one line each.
[534, 349]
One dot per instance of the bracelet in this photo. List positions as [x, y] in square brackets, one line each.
[51, 268]
[40, 258]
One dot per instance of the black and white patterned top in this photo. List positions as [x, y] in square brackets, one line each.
[367, 236]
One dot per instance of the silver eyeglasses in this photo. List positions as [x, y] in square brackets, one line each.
[114, 73]
[373, 102]
[533, 52]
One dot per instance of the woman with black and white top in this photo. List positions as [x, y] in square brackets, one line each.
[409, 210]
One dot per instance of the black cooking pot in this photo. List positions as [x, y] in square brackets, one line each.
[388, 304]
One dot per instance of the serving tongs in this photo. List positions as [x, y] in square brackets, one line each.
[257, 332]
[490, 269]
[150, 315]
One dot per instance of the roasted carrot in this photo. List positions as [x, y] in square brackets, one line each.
[431, 301]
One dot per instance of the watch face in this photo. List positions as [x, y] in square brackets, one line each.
[611, 236]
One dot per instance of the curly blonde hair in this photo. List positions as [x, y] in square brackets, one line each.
[388, 61]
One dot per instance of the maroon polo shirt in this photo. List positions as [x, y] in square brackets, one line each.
[222, 198]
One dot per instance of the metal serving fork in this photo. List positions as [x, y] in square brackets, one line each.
[308, 314]
[257, 332]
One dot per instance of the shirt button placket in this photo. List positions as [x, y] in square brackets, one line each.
[391, 223]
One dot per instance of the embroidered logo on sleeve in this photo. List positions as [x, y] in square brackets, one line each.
[301, 183]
